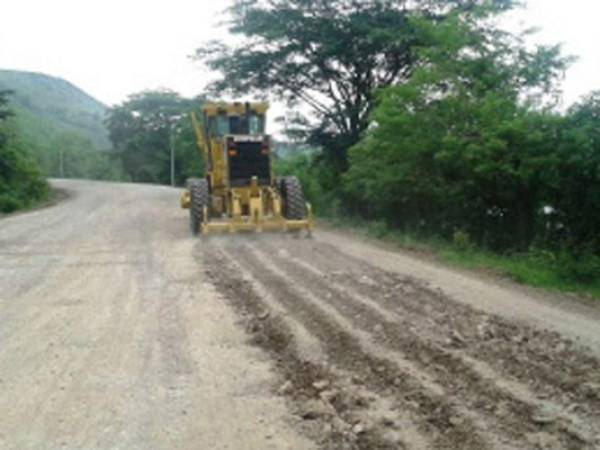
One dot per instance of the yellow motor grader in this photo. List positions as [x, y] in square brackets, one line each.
[239, 191]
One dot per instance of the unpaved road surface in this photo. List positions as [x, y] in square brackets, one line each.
[120, 331]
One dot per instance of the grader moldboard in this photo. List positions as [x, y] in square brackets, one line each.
[239, 191]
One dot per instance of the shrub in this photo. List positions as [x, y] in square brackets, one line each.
[581, 268]
[461, 240]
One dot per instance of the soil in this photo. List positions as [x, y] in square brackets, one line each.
[404, 366]
[122, 331]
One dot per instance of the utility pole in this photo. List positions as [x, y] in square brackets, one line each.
[172, 147]
[173, 130]
[62, 162]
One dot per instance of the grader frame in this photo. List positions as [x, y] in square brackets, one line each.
[239, 191]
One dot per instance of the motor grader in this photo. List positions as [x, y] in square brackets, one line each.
[239, 191]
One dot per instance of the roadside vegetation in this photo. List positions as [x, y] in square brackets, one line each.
[433, 124]
[557, 271]
[21, 182]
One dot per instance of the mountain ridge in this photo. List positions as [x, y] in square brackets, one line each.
[47, 106]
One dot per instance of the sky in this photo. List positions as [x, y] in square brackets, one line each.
[113, 48]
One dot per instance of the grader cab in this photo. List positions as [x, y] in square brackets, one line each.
[239, 191]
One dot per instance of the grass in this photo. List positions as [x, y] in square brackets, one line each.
[525, 269]
[558, 273]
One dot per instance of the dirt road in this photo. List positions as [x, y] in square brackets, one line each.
[118, 330]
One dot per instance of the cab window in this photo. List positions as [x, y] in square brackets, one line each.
[221, 125]
[236, 125]
[256, 124]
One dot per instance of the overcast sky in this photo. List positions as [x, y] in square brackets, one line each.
[112, 48]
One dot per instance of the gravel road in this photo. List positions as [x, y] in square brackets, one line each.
[120, 331]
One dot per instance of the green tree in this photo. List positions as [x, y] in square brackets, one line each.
[145, 127]
[574, 193]
[465, 144]
[330, 56]
[4, 111]
[20, 181]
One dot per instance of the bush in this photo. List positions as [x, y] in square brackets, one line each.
[21, 183]
[378, 229]
[8, 203]
[462, 240]
[581, 268]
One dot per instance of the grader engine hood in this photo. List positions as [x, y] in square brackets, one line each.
[247, 157]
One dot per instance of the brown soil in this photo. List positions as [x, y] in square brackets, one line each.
[121, 330]
[404, 366]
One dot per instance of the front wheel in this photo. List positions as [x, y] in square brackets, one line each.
[294, 205]
[199, 201]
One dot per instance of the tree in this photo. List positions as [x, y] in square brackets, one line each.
[20, 181]
[465, 144]
[328, 55]
[4, 110]
[574, 192]
[144, 128]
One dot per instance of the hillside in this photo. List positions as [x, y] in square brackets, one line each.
[48, 107]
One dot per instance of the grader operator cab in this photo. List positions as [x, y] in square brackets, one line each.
[239, 191]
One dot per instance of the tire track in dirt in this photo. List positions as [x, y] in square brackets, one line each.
[511, 415]
[434, 415]
[273, 334]
[466, 390]
[345, 398]
[543, 360]
[568, 410]
[542, 347]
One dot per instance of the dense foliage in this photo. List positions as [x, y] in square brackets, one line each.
[454, 148]
[145, 128]
[21, 184]
[574, 181]
[466, 149]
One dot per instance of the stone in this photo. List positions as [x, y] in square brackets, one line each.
[359, 428]
[328, 396]
[286, 388]
[316, 409]
[321, 385]
[264, 315]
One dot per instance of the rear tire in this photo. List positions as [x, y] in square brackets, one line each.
[199, 199]
[294, 205]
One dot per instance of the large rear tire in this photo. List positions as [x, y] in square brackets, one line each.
[294, 205]
[199, 200]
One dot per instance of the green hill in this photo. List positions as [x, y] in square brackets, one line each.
[60, 126]
[47, 106]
